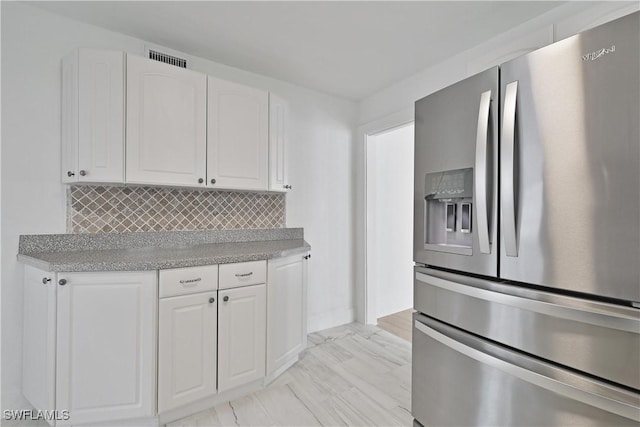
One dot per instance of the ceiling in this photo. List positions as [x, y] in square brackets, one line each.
[350, 49]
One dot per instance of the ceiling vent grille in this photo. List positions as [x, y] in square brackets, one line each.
[167, 59]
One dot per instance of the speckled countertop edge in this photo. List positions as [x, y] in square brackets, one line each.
[49, 243]
[159, 258]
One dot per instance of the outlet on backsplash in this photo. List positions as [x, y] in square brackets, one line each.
[107, 209]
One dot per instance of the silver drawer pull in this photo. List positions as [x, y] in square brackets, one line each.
[190, 281]
[245, 274]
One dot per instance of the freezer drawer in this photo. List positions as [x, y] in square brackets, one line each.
[461, 380]
[597, 338]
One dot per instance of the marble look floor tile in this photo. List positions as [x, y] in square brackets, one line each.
[245, 411]
[205, 418]
[374, 358]
[382, 348]
[404, 415]
[352, 375]
[313, 371]
[395, 383]
[332, 352]
[317, 402]
[348, 415]
[378, 396]
[377, 415]
[285, 408]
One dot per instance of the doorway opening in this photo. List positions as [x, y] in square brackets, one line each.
[389, 229]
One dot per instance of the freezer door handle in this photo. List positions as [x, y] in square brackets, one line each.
[582, 314]
[609, 404]
[507, 159]
[481, 173]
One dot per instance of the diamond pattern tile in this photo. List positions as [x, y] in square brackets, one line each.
[97, 209]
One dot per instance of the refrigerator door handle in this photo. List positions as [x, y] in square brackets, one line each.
[507, 159]
[481, 176]
[583, 314]
[609, 404]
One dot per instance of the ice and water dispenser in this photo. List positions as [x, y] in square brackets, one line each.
[448, 209]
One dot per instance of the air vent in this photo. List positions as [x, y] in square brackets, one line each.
[167, 59]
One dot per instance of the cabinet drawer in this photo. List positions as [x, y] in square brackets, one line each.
[183, 281]
[243, 274]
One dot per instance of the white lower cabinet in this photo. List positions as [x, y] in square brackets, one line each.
[106, 345]
[39, 338]
[286, 308]
[187, 349]
[241, 336]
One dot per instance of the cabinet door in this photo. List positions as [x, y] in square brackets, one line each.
[237, 136]
[39, 338]
[286, 310]
[187, 349]
[278, 135]
[93, 116]
[241, 336]
[106, 345]
[166, 124]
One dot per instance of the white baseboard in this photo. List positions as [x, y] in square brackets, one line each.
[321, 321]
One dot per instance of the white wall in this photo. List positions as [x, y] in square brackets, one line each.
[33, 199]
[394, 105]
[558, 23]
[390, 219]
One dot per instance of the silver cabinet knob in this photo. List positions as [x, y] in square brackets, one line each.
[226, 298]
[213, 181]
[70, 174]
[83, 173]
[212, 300]
[46, 280]
[200, 180]
[62, 282]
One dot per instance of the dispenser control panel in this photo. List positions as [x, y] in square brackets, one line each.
[448, 209]
[449, 184]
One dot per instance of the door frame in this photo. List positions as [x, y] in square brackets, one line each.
[365, 295]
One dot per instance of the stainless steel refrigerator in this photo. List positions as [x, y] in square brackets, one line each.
[527, 239]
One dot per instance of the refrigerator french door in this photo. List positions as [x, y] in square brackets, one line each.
[456, 176]
[570, 164]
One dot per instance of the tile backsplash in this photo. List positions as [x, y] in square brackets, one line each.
[96, 209]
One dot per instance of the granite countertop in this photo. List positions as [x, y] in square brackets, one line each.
[155, 251]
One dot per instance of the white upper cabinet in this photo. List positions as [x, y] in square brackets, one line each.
[166, 124]
[278, 138]
[93, 116]
[181, 127]
[237, 136]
